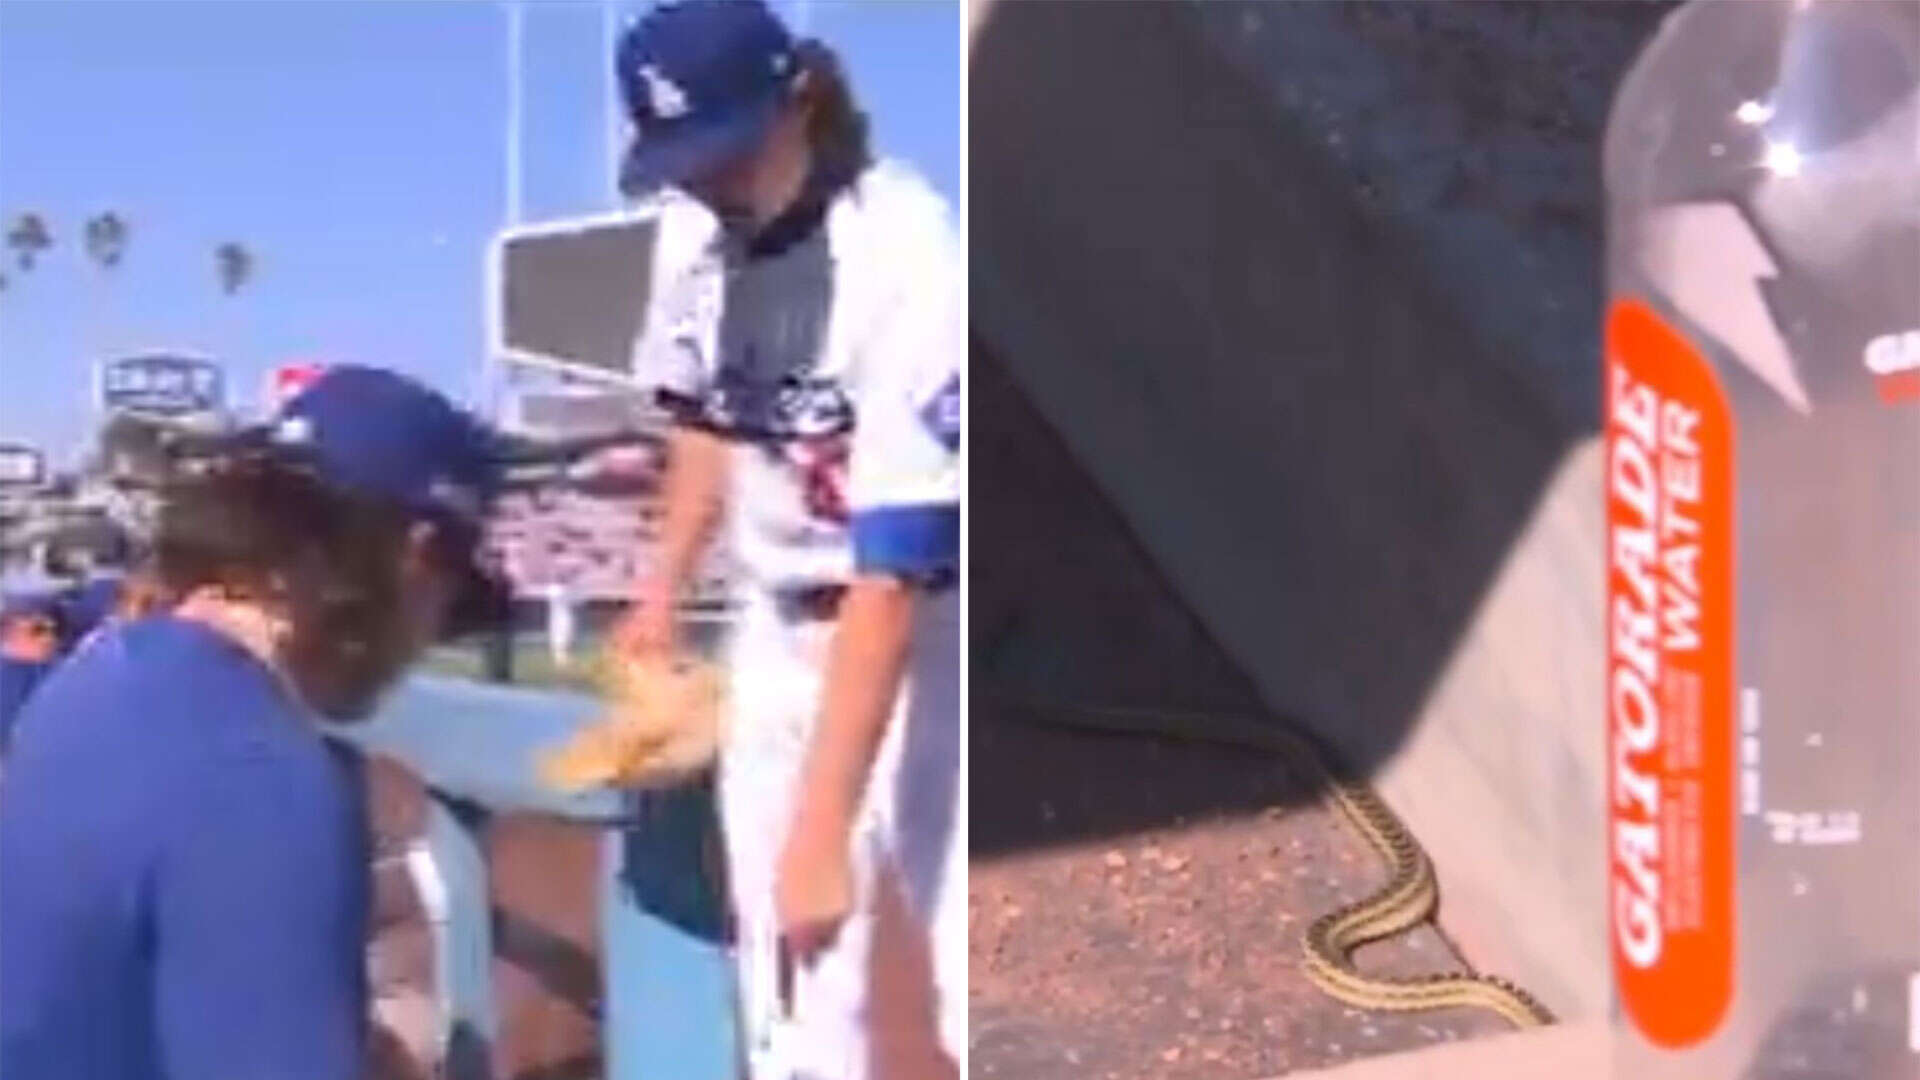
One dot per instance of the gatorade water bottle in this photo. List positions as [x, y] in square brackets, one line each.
[1762, 366]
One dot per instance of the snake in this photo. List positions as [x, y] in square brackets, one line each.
[1410, 896]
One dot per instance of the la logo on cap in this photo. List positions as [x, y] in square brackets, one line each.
[293, 431]
[668, 100]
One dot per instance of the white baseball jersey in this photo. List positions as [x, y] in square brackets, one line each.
[834, 365]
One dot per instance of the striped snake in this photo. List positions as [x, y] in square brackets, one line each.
[1407, 899]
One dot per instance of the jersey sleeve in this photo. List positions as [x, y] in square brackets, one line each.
[905, 478]
[671, 355]
[260, 923]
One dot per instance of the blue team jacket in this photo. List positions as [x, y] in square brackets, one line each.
[183, 872]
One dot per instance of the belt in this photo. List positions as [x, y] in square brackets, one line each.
[809, 603]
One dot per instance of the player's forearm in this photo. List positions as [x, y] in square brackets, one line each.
[692, 493]
[869, 654]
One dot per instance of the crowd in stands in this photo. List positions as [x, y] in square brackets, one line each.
[587, 528]
[593, 546]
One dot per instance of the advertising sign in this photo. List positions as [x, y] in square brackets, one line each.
[21, 466]
[161, 384]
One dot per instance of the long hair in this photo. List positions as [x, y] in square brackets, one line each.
[262, 528]
[837, 127]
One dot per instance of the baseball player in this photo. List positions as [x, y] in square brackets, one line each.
[185, 853]
[808, 351]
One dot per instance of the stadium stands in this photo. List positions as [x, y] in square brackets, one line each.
[587, 522]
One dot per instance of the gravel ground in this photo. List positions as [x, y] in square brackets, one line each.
[1174, 951]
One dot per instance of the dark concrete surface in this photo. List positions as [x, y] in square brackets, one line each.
[1471, 132]
[1273, 397]
[1065, 606]
[1324, 384]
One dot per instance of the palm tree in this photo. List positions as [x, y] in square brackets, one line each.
[29, 238]
[105, 240]
[234, 263]
[106, 237]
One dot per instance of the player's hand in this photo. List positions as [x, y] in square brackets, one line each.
[647, 629]
[813, 890]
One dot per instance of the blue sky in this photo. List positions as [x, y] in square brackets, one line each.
[356, 146]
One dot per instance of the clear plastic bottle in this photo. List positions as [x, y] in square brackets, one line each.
[1763, 422]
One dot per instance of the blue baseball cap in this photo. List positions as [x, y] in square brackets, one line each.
[703, 81]
[374, 433]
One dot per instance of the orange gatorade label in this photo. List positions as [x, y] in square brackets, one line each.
[1670, 806]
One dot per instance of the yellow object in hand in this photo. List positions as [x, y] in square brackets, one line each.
[664, 726]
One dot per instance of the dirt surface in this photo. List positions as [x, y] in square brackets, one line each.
[1173, 952]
